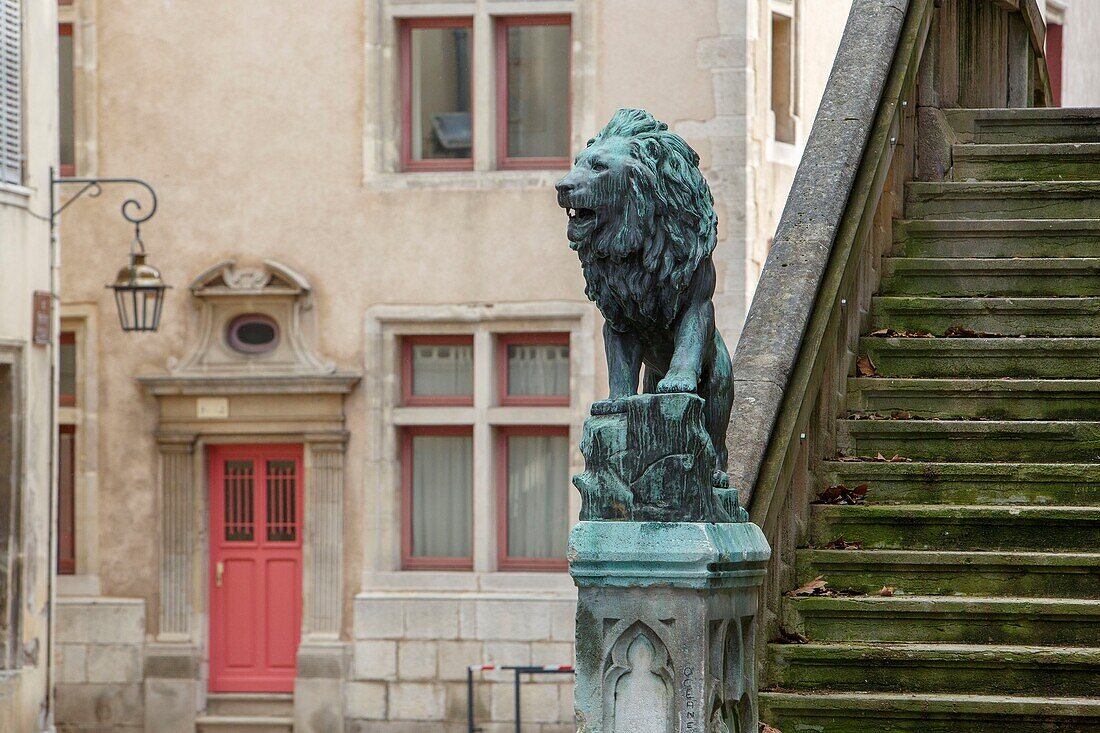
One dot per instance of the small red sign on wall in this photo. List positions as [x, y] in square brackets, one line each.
[43, 317]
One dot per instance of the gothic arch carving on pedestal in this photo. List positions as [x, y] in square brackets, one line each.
[638, 684]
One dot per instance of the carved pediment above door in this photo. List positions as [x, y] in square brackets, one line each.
[252, 320]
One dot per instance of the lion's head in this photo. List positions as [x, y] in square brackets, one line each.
[641, 218]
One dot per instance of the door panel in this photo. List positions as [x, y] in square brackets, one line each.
[255, 567]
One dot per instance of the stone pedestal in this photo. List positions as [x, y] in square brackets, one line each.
[666, 625]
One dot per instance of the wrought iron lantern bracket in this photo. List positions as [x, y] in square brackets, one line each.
[139, 289]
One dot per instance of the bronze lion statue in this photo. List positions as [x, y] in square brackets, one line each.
[642, 221]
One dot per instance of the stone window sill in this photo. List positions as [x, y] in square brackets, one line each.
[503, 583]
[464, 180]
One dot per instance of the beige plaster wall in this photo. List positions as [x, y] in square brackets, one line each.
[267, 129]
[256, 153]
[1081, 62]
[25, 704]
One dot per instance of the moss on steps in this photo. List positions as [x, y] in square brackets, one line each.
[995, 399]
[1002, 200]
[997, 276]
[972, 441]
[1063, 316]
[862, 712]
[945, 620]
[921, 482]
[993, 358]
[951, 527]
[920, 668]
[987, 529]
[996, 238]
[941, 572]
[1027, 162]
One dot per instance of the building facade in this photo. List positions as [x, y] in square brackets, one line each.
[338, 474]
[28, 149]
[1072, 29]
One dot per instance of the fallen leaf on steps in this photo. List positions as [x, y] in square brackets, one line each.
[791, 637]
[969, 333]
[816, 587]
[865, 367]
[887, 590]
[891, 333]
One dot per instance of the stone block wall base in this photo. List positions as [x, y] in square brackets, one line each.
[666, 625]
[319, 687]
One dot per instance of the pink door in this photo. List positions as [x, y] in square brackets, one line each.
[255, 566]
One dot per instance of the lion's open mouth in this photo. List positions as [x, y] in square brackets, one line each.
[582, 222]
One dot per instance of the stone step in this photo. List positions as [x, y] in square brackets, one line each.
[944, 620]
[918, 482]
[936, 668]
[995, 399]
[972, 441]
[955, 527]
[982, 276]
[863, 712]
[244, 724]
[1006, 316]
[997, 238]
[1071, 161]
[250, 703]
[1030, 125]
[975, 358]
[938, 572]
[1002, 200]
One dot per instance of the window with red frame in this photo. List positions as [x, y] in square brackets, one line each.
[533, 97]
[437, 370]
[437, 498]
[533, 369]
[436, 97]
[66, 98]
[1054, 60]
[66, 377]
[532, 497]
[66, 499]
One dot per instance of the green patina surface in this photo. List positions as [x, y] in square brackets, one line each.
[964, 595]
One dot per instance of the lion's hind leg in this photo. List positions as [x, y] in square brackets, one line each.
[716, 388]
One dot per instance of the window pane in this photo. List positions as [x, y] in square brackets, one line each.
[783, 79]
[67, 369]
[66, 500]
[538, 496]
[440, 93]
[65, 95]
[239, 507]
[442, 477]
[442, 370]
[282, 501]
[538, 91]
[538, 370]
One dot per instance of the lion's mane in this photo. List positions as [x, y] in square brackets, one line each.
[659, 226]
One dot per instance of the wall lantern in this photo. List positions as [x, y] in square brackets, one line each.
[139, 289]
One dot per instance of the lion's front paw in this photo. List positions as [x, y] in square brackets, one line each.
[677, 383]
[608, 407]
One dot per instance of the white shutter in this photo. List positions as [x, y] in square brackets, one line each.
[11, 101]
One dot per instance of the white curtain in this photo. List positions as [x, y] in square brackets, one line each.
[442, 474]
[538, 370]
[443, 370]
[538, 91]
[538, 495]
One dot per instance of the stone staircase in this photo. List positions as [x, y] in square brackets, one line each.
[968, 598]
[247, 713]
